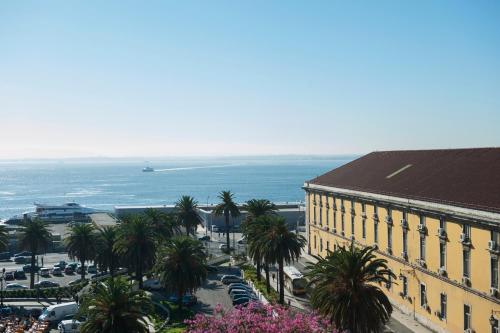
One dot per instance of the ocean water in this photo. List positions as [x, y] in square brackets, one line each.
[104, 184]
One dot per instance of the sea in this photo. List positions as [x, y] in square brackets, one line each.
[105, 183]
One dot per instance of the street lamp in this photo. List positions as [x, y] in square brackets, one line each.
[206, 220]
[493, 320]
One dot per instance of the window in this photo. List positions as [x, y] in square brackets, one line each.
[389, 236]
[327, 213]
[315, 244]
[342, 221]
[375, 210]
[320, 210]
[314, 210]
[466, 231]
[375, 232]
[443, 306]
[494, 272]
[494, 327]
[422, 247]
[327, 245]
[423, 296]
[334, 221]
[405, 241]
[334, 247]
[441, 222]
[405, 286]
[320, 245]
[403, 212]
[467, 316]
[442, 254]
[352, 225]
[422, 219]
[466, 263]
[363, 226]
[389, 212]
[363, 208]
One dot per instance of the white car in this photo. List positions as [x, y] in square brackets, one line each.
[15, 286]
[45, 272]
[69, 326]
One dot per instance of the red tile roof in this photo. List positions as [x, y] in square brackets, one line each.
[461, 177]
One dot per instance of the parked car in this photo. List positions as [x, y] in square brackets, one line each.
[9, 276]
[223, 247]
[19, 274]
[152, 284]
[69, 326]
[69, 270]
[5, 256]
[227, 279]
[236, 293]
[242, 241]
[57, 312]
[212, 269]
[98, 275]
[92, 269]
[15, 286]
[79, 269]
[46, 284]
[56, 271]
[45, 272]
[23, 254]
[204, 238]
[22, 260]
[73, 265]
[61, 264]
[241, 301]
[238, 286]
[27, 268]
[6, 311]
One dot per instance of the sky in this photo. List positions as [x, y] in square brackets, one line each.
[210, 78]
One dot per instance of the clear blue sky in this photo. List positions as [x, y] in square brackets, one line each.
[88, 78]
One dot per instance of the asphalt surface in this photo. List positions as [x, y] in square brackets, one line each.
[48, 261]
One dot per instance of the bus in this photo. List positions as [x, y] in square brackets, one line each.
[294, 280]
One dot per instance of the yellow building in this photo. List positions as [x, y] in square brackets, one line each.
[434, 216]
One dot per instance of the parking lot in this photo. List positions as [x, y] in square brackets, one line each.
[48, 261]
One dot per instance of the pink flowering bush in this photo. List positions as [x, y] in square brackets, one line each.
[258, 318]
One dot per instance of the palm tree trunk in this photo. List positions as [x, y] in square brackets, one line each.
[227, 231]
[282, 281]
[32, 271]
[82, 261]
[179, 299]
[268, 282]
[138, 275]
[259, 270]
[111, 264]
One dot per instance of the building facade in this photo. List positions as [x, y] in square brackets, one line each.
[434, 216]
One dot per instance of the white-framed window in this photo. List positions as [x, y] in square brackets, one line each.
[467, 317]
[405, 285]
[423, 295]
[405, 241]
[422, 247]
[466, 263]
[442, 310]
[494, 272]
[389, 236]
[442, 254]
[467, 231]
[321, 245]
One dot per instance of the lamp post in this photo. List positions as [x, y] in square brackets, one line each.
[493, 320]
[2, 278]
[206, 221]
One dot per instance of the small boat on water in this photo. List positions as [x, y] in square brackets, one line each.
[148, 169]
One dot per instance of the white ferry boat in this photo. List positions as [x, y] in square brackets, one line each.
[62, 213]
[54, 213]
[148, 169]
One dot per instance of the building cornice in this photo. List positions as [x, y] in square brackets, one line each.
[461, 214]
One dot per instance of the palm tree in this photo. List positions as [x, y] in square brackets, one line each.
[187, 213]
[4, 238]
[81, 244]
[345, 289]
[181, 266]
[280, 246]
[164, 225]
[34, 237]
[106, 256]
[256, 208]
[227, 207]
[116, 308]
[137, 242]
